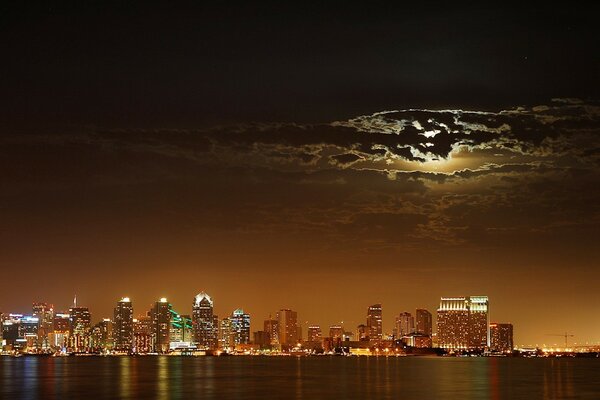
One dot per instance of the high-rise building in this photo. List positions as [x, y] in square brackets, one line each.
[205, 323]
[161, 326]
[101, 336]
[423, 322]
[314, 333]
[45, 314]
[79, 327]
[271, 328]
[405, 324]
[463, 323]
[123, 325]
[375, 323]
[58, 338]
[226, 337]
[336, 332]
[143, 339]
[501, 337]
[240, 327]
[362, 332]
[181, 330]
[288, 327]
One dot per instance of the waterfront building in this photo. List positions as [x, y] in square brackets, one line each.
[463, 323]
[79, 328]
[362, 333]
[123, 325]
[161, 326]
[226, 340]
[287, 321]
[240, 327]
[423, 322]
[271, 328]
[314, 334]
[181, 330]
[204, 322]
[405, 324]
[101, 336]
[143, 334]
[44, 312]
[501, 337]
[375, 323]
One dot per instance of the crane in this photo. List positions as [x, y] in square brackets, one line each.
[566, 335]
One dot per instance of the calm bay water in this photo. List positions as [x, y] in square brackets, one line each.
[301, 378]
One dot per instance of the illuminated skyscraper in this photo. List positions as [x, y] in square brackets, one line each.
[143, 334]
[204, 322]
[101, 336]
[161, 326]
[405, 324]
[271, 328]
[45, 314]
[362, 332]
[374, 323]
[314, 334]
[288, 327]
[240, 327]
[181, 330]
[463, 323]
[123, 325]
[79, 321]
[423, 322]
[226, 337]
[501, 337]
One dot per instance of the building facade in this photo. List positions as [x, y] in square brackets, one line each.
[463, 323]
[204, 322]
[123, 325]
[375, 323]
[161, 326]
[501, 337]
[287, 321]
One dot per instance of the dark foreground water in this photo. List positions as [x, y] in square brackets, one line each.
[301, 378]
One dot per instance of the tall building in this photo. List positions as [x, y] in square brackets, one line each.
[405, 324]
[79, 328]
[59, 337]
[205, 323]
[314, 333]
[101, 336]
[143, 339]
[287, 321]
[181, 330]
[44, 312]
[226, 339]
[123, 325]
[161, 326]
[462, 323]
[362, 332]
[240, 327]
[375, 323]
[271, 328]
[501, 337]
[423, 322]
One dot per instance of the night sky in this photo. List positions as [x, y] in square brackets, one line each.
[319, 158]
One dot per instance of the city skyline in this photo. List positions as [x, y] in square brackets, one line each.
[390, 319]
[316, 157]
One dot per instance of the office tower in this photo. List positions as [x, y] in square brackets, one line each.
[240, 327]
[11, 329]
[405, 324]
[58, 338]
[271, 328]
[374, 323]
[143, 334]
[262, 339]
[287, 321]
[423, 322]
[362, 332]
[336, 332]
[79, 327]
[29, 331]
[205, 323]
[161, 326]
[463, 323]
[226, 339]
[181, 330]
[123, 325]
[314, 333]
[501, 337]
[1, 329]
[45, 314]
[101, 336]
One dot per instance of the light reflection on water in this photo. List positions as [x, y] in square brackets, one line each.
[167, 377]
